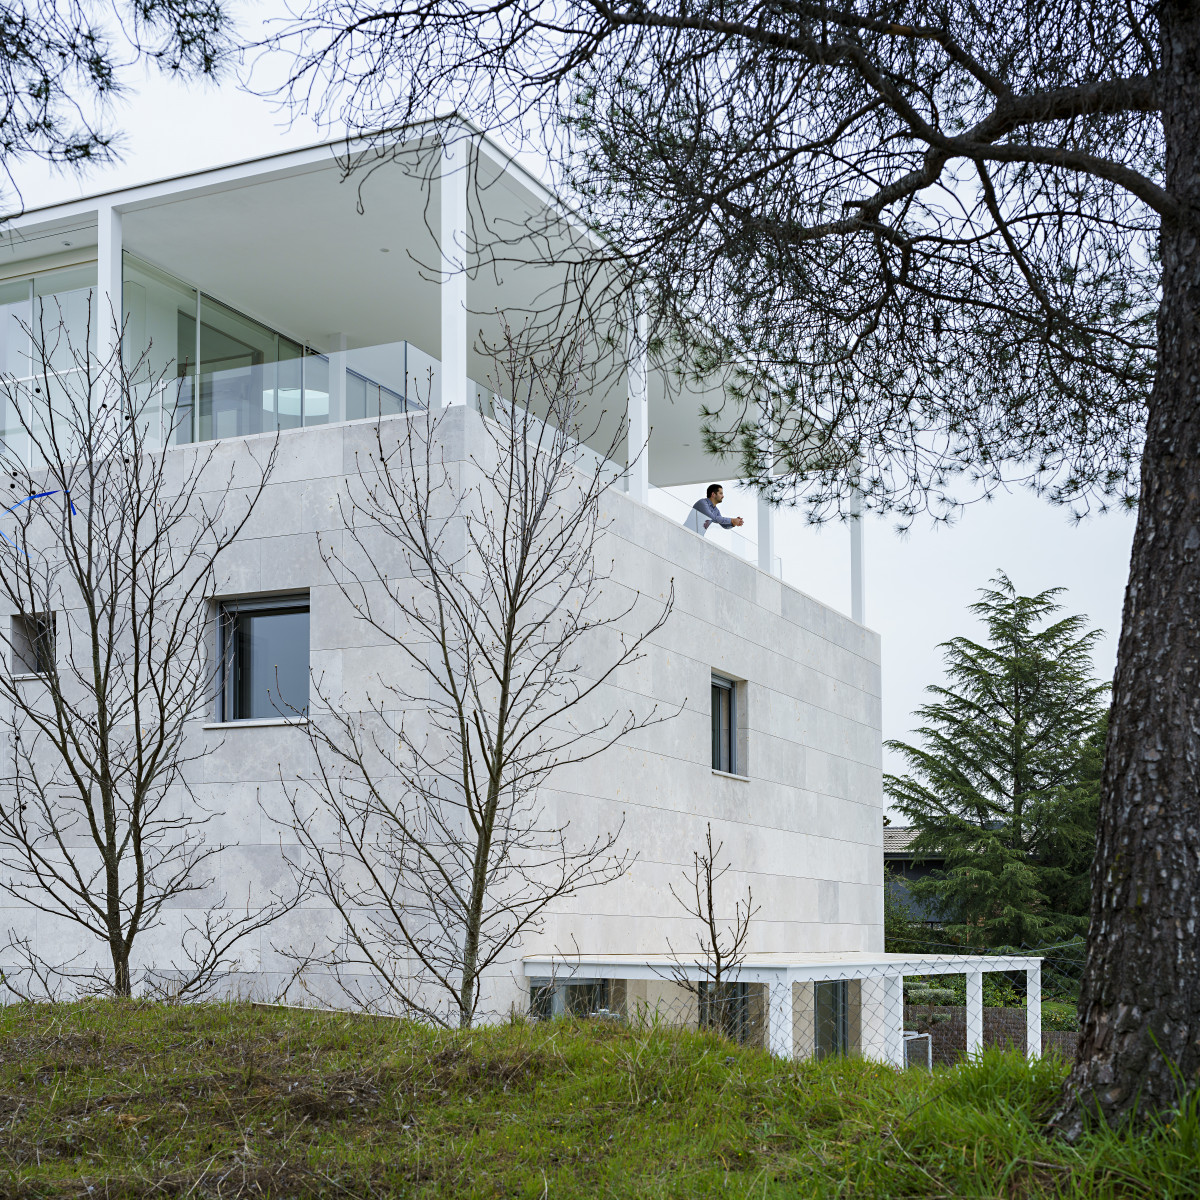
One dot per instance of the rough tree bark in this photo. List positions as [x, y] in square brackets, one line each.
[1140, 1037]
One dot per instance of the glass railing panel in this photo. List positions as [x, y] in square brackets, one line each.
[422, 378]
[315, 399]
[66, 315]
[13, 435]
[287, 396]
[728, 539]
[16, 311]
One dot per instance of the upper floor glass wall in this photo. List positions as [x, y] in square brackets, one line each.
[223, 374]
[47, 329]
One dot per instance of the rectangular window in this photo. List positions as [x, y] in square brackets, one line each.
[33, 643]
[731, 1009]
[577, 998]
[724, 725]
[833, 1018]
[264, 659]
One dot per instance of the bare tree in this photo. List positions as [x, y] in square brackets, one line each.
[108, 563]
[482, 577]
[721, 944]
[952, 244]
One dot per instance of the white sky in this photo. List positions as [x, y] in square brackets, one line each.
[918, 586]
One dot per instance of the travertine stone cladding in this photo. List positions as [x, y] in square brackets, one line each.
[802, 829]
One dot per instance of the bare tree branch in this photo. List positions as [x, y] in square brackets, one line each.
[107, 567]
[482, 577]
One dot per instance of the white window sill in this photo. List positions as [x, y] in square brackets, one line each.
[259, 723]
[727, 775]
[26, 676]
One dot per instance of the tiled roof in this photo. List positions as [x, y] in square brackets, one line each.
[896, 840]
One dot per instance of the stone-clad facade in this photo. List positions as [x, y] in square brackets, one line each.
[802, 828]
[240, 275]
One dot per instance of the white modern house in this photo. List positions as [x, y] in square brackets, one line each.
[293, 298]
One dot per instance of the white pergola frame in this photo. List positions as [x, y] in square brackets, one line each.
[779, 971]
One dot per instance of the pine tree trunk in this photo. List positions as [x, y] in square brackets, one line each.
[1141, 986]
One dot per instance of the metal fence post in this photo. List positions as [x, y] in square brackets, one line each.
[974, 1012]
[779, 1016]
[1033, 1010]
[893, 1015]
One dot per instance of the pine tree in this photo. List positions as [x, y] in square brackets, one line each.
[1005, 784]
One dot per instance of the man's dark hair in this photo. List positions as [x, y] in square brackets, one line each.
[712, 487]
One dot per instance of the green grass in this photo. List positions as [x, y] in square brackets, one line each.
[127, 1100]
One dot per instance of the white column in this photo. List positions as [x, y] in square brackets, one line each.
[766, 536]
[1033, 1011]
[338, 344]
[780, 1017]
[858, 604]
[637, 437]
[975, 1012]
[108, 313]
[455, 158]
[893, 1018]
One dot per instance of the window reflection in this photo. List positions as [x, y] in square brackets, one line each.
[264, 659]
[251, 378]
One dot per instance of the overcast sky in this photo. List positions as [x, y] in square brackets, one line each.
[918, 585]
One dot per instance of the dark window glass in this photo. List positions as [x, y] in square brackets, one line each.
[265, 660]
[724, 726]
[541, 1001]
[579, 998]
[33, 643]
[729, 1010]
[832, 1005]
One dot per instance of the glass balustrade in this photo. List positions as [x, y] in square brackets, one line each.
[218, 373]
[224, 374]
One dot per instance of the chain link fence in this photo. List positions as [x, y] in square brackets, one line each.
[884, 1007]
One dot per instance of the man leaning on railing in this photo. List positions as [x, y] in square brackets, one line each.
[705, 512]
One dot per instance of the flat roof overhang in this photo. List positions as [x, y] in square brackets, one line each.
[295, 242]
[796, 967]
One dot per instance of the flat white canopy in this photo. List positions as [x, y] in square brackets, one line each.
[334, 260]
[797, 967]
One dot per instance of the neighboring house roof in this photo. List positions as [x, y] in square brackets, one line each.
[898, 845]
[898, 840]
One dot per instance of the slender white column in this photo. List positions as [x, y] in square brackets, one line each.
[108, 314]
[337, 377]
[766, 536]
[455, 158]
[637, 439]
[780, 1017]
[975, 1012]
[858, 601]
[1033, 1011]
[893, 1017]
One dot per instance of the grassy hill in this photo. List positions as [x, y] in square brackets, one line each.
[117, 1100]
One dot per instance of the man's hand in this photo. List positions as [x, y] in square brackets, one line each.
[738, 521]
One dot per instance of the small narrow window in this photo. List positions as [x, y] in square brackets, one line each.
[833, 1018]
[33, 643]
[264, 659]
[724, 725]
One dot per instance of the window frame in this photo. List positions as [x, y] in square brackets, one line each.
[727, 689]
[228, 612]
[37, 644]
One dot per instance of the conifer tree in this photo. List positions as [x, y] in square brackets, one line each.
[1004, 785]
